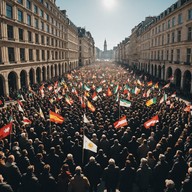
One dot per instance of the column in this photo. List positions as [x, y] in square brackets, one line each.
[18, 83]
[4, 31]
[34, 54]
[181, 82]
[16, 33]
[26, 54]
[17, 54]
[6, 86]
[15, 13]
[4, 52]
[3, 8]
[27, 79]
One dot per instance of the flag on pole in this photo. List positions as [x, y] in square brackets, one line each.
[164, 98]
[150, 83]
[99, 89]
[94, 96]
[56, 118]
[116, 88]
[166, 86]
[136, 91]
[41, 113]
[89, 145]
[83, 105]
[5, 130]
[85, 120]
[20, 108]
[109, 93]
[121, 122]
[188, 109]
[156, 86]
[148, 93]
[90, 106]
[125, 103]
[26, 121]
[151, 101]
[151, 122]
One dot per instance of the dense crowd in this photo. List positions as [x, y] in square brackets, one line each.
[43, 156]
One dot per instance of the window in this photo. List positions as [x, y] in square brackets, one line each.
[190, 14]
[188, 59]
[35, 9]
[41, 1]
[43, 54]
[179, 35]
[168, 24]
[178, 54]
[173, 21]
[47, 17]
[52, 41]
[48, 55]
[189, 34]
[37, 55]
[180, 19]
[29, 20]
[28, 4]
[168, 38]
[36, 23]
[20, 16]
[163, 26]
[42, 26]
[29, 36]
[47, 40]
[47, 28]
[22, 54]
[20, 34]
[36, 38]
[42, 40]
[162, 40]
[9, 11]
[20, 1]
[41, 13]
[173, 37]
[47, 5]
[167, 55]
[11, 54]
[10, 32]
[30, 55]
[171, 54]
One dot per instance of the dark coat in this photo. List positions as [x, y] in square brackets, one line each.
[63, 181]
[4, 187]
[187, 185]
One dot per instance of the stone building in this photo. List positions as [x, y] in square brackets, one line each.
[37, 42]
[162, 45]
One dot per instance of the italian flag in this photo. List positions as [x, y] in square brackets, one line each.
[86, 87]
[136, 91]
[99, 89]
[164, 98]
[116, 88]
[94, 96]
[151, 122]
[125, 103]
[121, 122]
[151, 102]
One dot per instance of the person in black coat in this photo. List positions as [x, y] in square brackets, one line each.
[127, 177]
[4, 187]
[29, 182]
[93, 172]
[111, 176]
[102, 159]
[47, 181]
[187, 183]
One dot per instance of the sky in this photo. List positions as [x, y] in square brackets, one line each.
[111, 19]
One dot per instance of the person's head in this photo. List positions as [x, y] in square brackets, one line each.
[78, 170]
[69, 156]
[46, 168]
[11, 159]
[65, 167]
[190, 171]
[143, 162]
[111, 161]
[92, 159]
[161, 157]
[169, 184]
[30, 169]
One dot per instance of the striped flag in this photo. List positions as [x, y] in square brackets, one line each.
[150, 83]
[151, 122]
[99, 89]
[26, 121]
[90, 106]
[166, 86]
[163, 99]
[56, 118]
[151, 102]
[125, 103]
[116, 88]
[121, 122]
[94, 96]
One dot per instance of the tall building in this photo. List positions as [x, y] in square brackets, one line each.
[105, 46]
[37, 42]
[162, 46]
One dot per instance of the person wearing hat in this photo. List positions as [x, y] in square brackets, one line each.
[79, 183]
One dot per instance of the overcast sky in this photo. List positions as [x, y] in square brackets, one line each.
[111, 19]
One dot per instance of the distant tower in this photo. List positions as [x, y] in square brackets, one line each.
[105, 45]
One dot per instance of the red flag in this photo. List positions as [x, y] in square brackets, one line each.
[121, 122]
[6, 130]
[166, 86]
[151, 122]
[109, 93]
[188, 108]
[1, 102]
[26, 121]
[90, 106]
[54, 117]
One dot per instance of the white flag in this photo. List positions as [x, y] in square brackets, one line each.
[41, 113]
[20, 108]
[89, 145]
[85, 120]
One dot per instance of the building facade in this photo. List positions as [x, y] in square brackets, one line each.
[37, 42]
[162, 46]
[86, 47]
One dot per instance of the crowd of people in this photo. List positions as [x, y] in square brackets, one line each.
[44, 156]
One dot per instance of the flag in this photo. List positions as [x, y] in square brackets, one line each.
[117, 97]
[41, 113]
[188, 109]
[116, 88]
[85, 120]
[156, 86]
[94, 96]
[83, 105]
[174, 94]
[26, 121]
[151, 101]
[1, 102]
[164, 98]
[68, 100]
[151, 122]
[86, 87]
[166, 86]
[99, 89]
[148, 93]
[89, 145]
[20, 103]
[171, 78]
[109, 93]
[50, 87]
[54, 117]
[20, 108]
[121, 122]
[5, 130]
[74, 91]
[125, 103]
[90, 106]
[136, 91]
[150, 83]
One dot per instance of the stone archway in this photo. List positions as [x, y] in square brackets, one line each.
[187, 82]
[2, 85]
[23, 78]
[44, 74]
[169, 72]
[32, 76]
[56, 72]
[12, 82]
[38, 75]
[159, 72]
[177, 78]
